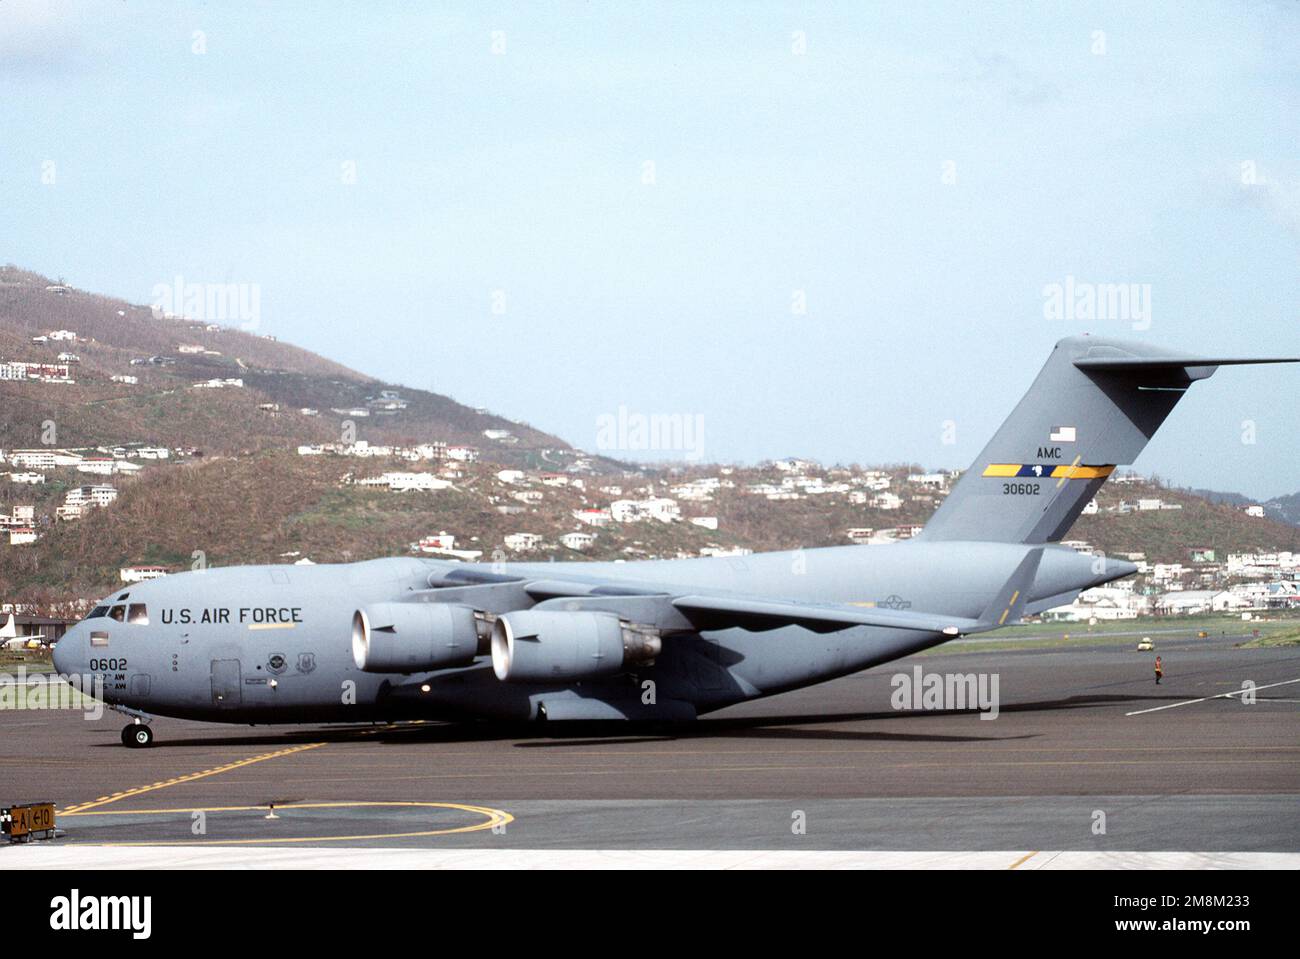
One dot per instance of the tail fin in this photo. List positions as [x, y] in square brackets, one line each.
[1094, 406]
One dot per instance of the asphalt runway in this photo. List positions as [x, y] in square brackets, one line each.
[1087, 754]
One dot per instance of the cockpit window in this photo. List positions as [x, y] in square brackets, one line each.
[117, 613]
[137, 614]
[97, 612]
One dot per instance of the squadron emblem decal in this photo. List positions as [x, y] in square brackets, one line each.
[306, 662]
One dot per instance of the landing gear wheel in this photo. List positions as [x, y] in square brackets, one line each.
[137, 735]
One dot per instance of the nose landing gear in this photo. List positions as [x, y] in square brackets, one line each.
[137, 736]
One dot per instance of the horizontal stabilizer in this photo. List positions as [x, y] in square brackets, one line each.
[1192, 367]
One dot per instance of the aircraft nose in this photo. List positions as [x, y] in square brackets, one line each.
[67, 650]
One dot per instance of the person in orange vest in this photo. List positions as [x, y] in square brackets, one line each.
[1160, 670]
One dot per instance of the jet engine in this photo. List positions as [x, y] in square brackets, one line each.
[530, 646]
[414, 637]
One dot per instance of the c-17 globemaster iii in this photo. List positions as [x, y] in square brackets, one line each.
[663, 640]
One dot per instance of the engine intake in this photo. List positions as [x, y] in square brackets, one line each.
[414, 637]
[530, 646]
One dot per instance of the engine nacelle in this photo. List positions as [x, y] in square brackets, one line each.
[532, 646]
[414, 637]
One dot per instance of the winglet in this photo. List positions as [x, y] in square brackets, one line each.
[1009, 603]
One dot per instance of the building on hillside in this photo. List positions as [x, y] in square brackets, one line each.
[625, 511]
[794, 465]
[522, 542]
[139, 574]
[1191, 602]
[1279, 594]
[578, 540]
[44, 372]
[661, 508]
[930, 480]
[219, 383]
[593, 517]
[725, 551]
[399, 482]
[102, 466]
[20, 517]
[87, 496]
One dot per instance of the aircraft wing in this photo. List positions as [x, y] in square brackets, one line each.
[724, 612]
[696, 611]
[688, 611]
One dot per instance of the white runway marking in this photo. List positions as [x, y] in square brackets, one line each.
[1206, 699]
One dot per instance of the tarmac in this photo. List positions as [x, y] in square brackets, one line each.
[1088, 763]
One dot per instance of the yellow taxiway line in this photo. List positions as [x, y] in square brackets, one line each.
[189, 777]
[493, 819]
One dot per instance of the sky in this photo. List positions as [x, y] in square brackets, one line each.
[821, 230]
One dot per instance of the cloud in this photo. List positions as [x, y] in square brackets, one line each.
[1000, 75]
[1280, 199]
[39, 39]
[1262, 188]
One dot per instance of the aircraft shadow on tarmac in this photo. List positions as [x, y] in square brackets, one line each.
[543, 735]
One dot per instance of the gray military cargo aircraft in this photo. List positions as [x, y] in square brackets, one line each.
[667, 640]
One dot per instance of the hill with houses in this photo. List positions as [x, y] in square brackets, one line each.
[136, 444]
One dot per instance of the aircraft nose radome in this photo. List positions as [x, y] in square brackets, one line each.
[63, 655]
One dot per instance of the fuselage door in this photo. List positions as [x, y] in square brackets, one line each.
[227, 682]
